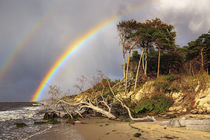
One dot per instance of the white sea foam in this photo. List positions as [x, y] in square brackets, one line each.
[25, 112]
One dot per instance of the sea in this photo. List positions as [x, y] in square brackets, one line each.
[12, 113]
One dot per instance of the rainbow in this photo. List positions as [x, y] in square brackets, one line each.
[78, 43]
[29, 35]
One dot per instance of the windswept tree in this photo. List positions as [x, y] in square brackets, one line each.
[151, 34]
[155, 33]
[163, 37]
[126, 29]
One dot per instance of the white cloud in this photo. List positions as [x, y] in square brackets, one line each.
[195, 26]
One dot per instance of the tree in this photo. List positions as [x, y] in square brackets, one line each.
[163, 37]
[200, 50]
[134, 63]
[152, 33]
[125, 29]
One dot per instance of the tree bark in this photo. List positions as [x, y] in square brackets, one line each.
[202, 60]
[102, 111]
[123, 50]
[137, 73]
[143, 61]
[126, 78]
[129, 53]
[144, 119]
[158, 70]
[145, 67]
[83, 104]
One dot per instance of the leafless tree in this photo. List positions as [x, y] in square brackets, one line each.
[98, 102]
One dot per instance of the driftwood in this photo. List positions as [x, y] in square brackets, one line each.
[78, 106]
[100, 105]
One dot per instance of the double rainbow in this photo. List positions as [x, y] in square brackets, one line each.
[29, 35]
[77, 44]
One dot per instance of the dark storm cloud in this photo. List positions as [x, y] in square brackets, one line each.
[65, 25]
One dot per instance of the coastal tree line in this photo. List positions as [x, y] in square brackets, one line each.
[151, 50]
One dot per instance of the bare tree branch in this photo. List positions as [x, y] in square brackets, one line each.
[148, 118]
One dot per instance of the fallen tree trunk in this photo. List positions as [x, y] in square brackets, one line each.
[145, 119]
[83, 104]
[102, 111]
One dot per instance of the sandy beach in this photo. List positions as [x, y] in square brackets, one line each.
[104, 129]
[58, 132]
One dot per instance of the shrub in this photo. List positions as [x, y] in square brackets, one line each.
[170, 78]
[162, 103]
[203, 79]
[157, 104]
[173, 89]
[145, 105]
[161, 86]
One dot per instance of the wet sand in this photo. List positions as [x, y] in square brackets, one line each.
[112, 130]
[58, 132]
[104, 129]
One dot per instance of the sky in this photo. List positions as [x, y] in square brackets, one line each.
[58, 23]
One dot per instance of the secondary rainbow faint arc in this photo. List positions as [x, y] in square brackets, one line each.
[10, 59]
[77, 44]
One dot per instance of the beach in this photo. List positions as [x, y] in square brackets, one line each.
[17, 120]
[58, 132]
[105, 129]
[93, 128]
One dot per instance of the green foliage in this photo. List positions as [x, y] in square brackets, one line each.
[156, 35]
[162, 103]
[145, 105]
[171, 61]
[164, 83]
[161, 86]
[157, 104]
[153, 34]
[197, 49]
[20, 125]
[173, 89]
[170, 78]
